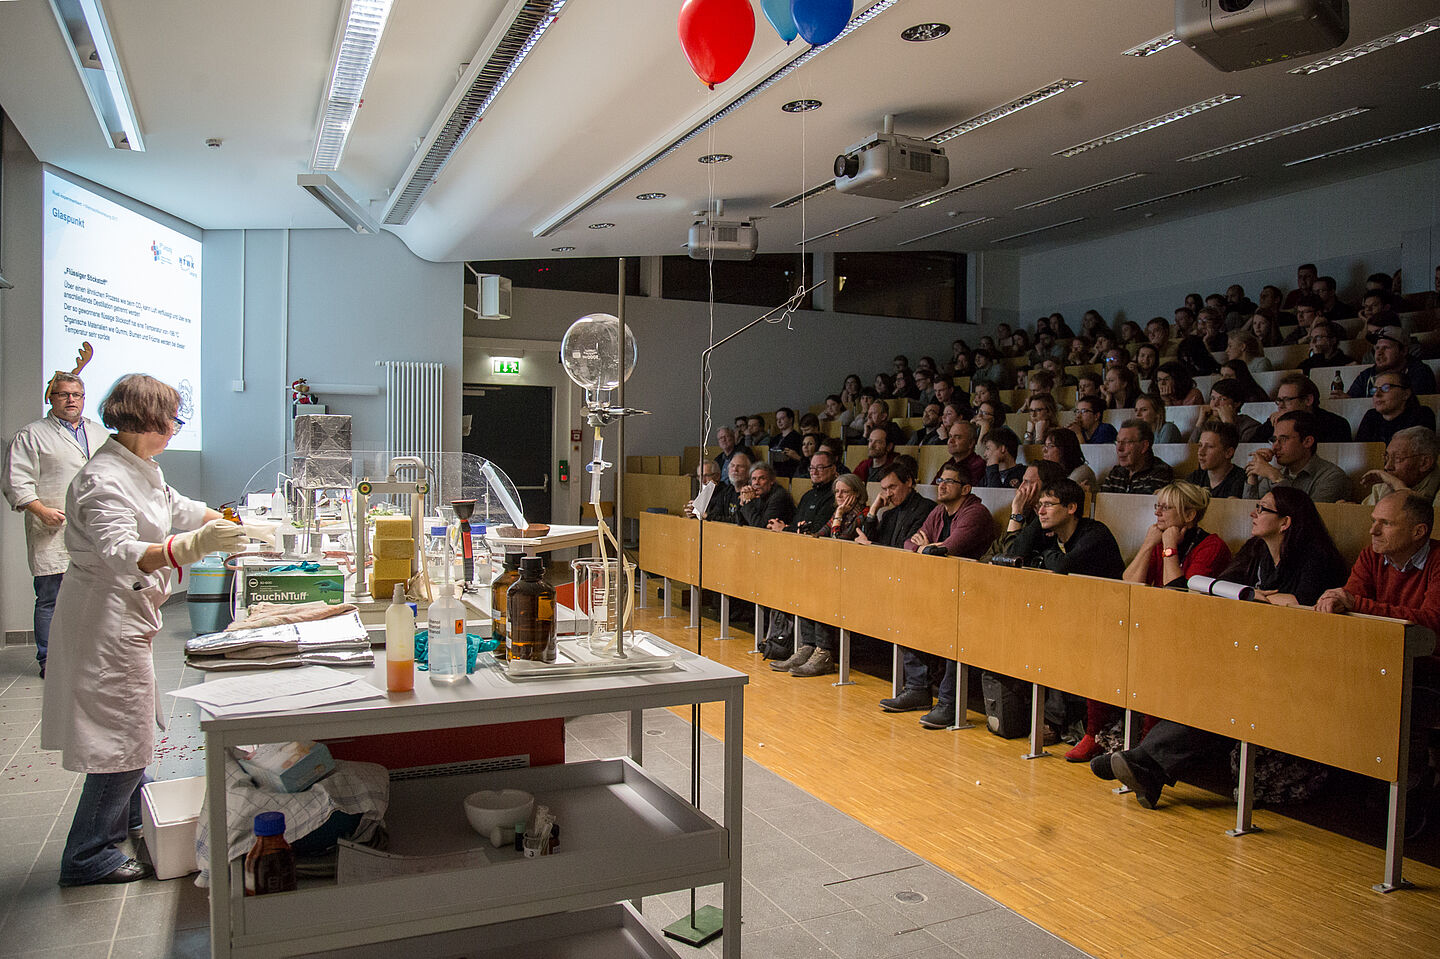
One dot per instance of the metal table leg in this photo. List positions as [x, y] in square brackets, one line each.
[1037, 722]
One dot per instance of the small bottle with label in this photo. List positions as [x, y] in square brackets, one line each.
[498, 591]
[270, 864]
[445, 628]
[399, 644]
[1337, 385]
[530, 614]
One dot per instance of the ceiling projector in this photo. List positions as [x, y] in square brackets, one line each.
[723, 239]
[1240, 34]
[888, 166]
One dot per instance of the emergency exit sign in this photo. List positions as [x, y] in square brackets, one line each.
[509, 365]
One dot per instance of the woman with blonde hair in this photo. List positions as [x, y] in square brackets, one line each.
[1243, 345]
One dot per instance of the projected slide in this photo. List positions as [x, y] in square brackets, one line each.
[129, 288]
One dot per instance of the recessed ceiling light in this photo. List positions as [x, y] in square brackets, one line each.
[1084, 189]
[600, 226]
[1004, 110]
[1147, 125]
[1149, 47]
[949, 229]
[801, 106]
[836, 232]
[918, 204]
[716, 158]
[1179, 193]
[924, 31]
[562, 249]
[1372, 46]
[1379, 141]
[1038, 229]
[650, 196]
[1274, 134]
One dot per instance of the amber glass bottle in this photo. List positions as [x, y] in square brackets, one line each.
[530, 610]
[270, 864]
[498, 589]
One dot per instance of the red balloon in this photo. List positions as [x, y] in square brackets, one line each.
[716, 36]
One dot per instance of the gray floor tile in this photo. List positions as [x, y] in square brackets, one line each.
[180, 944]
[17, 860]
[89, 950]
[867, 933]
[172, 904]
[24, 804]
[945, 897]
[858, 851]
[27, 829]
[71, 924]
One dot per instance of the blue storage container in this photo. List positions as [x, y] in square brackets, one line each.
[209, 594]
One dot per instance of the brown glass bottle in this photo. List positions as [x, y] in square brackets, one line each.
[270, 864]
[498, 589]
[530, 609]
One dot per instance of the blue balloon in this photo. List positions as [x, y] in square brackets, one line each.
[820, 21]
[778, 13]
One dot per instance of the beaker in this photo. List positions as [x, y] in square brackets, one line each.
[600, 600]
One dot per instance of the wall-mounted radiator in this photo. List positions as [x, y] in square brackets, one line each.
[413, 406]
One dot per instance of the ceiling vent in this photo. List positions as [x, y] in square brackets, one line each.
[498, 60]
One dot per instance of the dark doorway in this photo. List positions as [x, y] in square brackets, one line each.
[511, 427]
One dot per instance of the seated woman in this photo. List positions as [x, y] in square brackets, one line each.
[1289, 560]
[989, 369]
[1175, 548]
[1195, 356]
[1239, 371]
[809, 443]
[883, 386]
[1266, 330]
[1092, 324]
[1063, 447]
[1130, 334]
[1240, 345]
[988, 393]
[1044, 418]
[834, 409]
[1176, 386]
[904, 387]
[1147, 361]
[1121, 390]
[1151, 409]
[850, 392]
[1393, 408]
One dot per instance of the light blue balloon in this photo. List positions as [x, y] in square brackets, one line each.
[778, 13]
[820, 21]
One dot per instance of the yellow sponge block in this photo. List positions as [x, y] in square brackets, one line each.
[394, 548]
[391, 569]
[393, 527]
[384, 588]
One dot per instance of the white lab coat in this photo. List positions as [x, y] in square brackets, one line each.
[101, 704]
[40, 463]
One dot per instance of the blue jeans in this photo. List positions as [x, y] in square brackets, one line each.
[46, 589]
[916, 670]
[109, 806]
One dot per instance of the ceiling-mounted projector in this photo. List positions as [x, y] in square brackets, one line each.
[1240, 34]
[723, 239]
[888, 166]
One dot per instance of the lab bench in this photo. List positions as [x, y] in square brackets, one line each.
[623, 835]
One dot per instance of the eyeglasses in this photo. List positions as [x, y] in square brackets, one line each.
[818, 468]
[1047, 504]
[179, 423]
[1387, 387]
[67, 395]
[1282, 401]
[1259, 508]
[943, 481]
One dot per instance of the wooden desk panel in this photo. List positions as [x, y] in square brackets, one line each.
[667, 546]
[644, 490]
[797, 574]
[900, 596]
[1321, 686]
[730, 558]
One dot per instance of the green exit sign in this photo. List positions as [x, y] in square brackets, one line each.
[505, 364]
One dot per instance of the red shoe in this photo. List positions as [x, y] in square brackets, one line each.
[1083, 751]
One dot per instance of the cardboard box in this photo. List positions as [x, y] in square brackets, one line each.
[170, 811]
[327, 584]
[286, 767]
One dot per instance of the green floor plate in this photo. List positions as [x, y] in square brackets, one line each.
[698, 929]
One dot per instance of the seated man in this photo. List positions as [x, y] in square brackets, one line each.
[1226, 398]
[1391, 346]
[1307, 320]
[1412, 464]
[1325, 339]
[1334, 308]
[882, 454]
[879, 417]
[924, 388]
[1298, 392]
[1157, 331]
[764, 499]
[813, 512]
[1001, 446]
[725, 437]
[1136, 468]
[1089, 425]
[961, 447]
[1305, 275]
[709, 475]
[1218, 475]
[755, 434]
[785, 453]
[897, 512]
[959, 525]
[1064, 541]
[929, 432]
[1292, 462]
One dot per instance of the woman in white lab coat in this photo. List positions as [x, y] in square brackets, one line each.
[100, 698]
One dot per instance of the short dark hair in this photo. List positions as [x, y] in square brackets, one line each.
[898, 469]
[1327, 280]
[1308, 389]
[1311, 301]
[1141, 427]
[1067, 491]
[1229, 389]
[835, 397]
[1384, 279]
[1003, 436]
[140, 404]
[1226, 433]
[1304, 422]
[1096, 402]
[787, 411]
[1420, 509]
[1307, 266]
[1049, 473]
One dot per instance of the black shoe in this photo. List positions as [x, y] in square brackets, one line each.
[1102, 767]
[907, 701]
[1140, 780]
[131, 870]
[42, 670]
[941, 717]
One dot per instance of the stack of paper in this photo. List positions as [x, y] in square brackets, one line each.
[338, 641]
[276, 693]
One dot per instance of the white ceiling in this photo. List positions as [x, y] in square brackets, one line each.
[609, 84]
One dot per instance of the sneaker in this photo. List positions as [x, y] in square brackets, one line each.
[908, 700]
[820, 663]
[1140, 780]
[941, 717]
[1083, 751]
[800, 658]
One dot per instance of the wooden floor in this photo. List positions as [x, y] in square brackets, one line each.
[1049, 840]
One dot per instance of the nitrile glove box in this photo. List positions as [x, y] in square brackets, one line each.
[286, 767]
[324, 585]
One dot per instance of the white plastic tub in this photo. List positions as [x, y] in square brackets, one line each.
[170, 811]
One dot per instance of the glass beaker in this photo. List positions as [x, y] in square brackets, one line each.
[600, 600]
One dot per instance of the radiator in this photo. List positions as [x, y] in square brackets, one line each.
[413, 404]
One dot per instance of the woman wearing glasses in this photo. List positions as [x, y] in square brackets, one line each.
[1063, 447]
[1393, 408]
[100, 704]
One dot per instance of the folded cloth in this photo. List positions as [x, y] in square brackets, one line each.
[317, 657]
[362, 789]
[276, 614]
[337, 632]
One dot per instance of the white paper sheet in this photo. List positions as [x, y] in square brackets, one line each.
[702, 499]
[265, 686]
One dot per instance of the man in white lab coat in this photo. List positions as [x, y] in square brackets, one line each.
[40, 463]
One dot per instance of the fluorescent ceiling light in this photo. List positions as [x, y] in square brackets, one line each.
[1432, 86]
[836, 232]
[1148, 125]
[949, 229]
[1084, 189]
[1038, 229]
[1005, 109]
[920, 204]
[559, 219]
[1163, 42]
[87, 35]
[338, 202]
[813, 191]
[1275, 134]
[1179, 193]
[1359, 50]
[357, 40]
[1379, 141]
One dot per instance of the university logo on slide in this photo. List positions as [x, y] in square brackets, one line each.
[162, 252]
